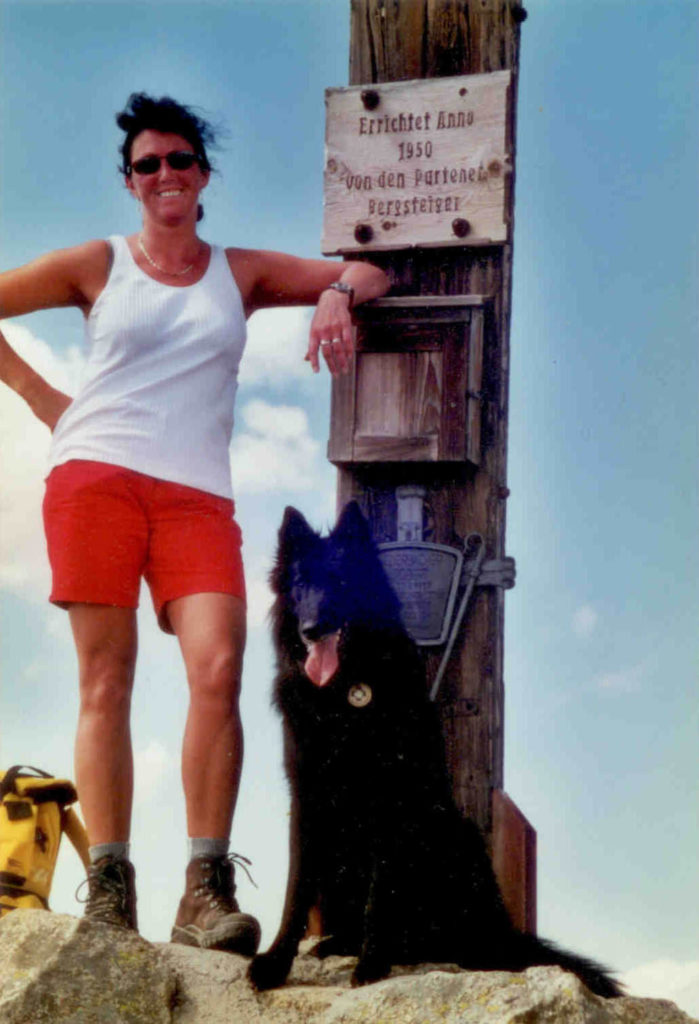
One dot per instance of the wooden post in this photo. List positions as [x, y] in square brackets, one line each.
[398, 40]
[514, 861]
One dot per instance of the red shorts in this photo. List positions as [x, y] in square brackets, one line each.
[107, 526]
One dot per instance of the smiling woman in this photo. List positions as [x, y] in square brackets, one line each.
[140, 488]
[167, 178]
[171, 118]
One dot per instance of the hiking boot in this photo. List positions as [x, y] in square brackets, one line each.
[112, 892]
[209, 916]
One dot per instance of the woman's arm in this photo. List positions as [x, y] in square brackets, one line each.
[332, 321]
[276, 279]
[67, 277]
[47, 403]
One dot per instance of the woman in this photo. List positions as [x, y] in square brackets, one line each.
[139, 485]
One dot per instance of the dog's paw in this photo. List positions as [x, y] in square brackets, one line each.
[368, 971]
[269, 970]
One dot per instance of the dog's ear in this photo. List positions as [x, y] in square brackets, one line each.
[352, 528]
[294, 529]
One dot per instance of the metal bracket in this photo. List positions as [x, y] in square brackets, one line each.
[476, 572]
[498, 572]
[470, 570]
[474, 547]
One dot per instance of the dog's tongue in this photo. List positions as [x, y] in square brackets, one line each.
[321, 663]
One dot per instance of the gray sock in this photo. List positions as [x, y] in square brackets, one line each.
[204, 847]
[119, 850]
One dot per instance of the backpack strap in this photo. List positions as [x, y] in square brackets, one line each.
[75, 830]
[7, 783]
[70, 822]
[40, 787]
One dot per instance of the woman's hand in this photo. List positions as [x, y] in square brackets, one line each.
[276, 279]
[331, 333]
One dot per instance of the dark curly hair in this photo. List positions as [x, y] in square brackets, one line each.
[143, 112]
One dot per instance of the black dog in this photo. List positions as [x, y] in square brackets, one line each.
[376, 840]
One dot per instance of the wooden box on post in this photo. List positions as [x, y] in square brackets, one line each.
[413, 393]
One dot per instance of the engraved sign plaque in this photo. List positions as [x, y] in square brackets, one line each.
[426, 578]
[424, 162]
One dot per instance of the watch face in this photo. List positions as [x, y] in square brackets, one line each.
[347, 289]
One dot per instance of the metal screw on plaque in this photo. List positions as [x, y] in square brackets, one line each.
[463, 92]
[460, 227]
[363, 233]
[332, 166]
[494, 167]
[370, 98]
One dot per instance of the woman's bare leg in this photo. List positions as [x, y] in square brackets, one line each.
[105, 640]
[106, 644]
[211, 632]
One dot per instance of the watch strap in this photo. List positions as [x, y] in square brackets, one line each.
[346, 289]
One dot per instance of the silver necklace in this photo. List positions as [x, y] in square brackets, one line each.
[168, 273]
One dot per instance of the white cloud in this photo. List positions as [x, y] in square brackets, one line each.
[260, 599]
[151, 767]
[23, 454]
[277, 342]
[625, 680]
[275, 452]
[585, 621]
[666, 979]
[62, 370]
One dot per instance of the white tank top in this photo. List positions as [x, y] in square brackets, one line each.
[161, 376]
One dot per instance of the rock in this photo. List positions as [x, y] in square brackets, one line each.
[57, 969]
[446, 994]
[212, 987]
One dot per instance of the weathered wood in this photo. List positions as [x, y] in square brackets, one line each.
[433, 302]
[514, 861]
[415, 389]
[417, 163]
[396, 40]
[472, 426]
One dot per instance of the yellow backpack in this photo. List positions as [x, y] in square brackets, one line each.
[34, 813]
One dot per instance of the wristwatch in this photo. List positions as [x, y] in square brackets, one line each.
[346, 289]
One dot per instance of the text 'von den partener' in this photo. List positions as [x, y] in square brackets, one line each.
[417, 177]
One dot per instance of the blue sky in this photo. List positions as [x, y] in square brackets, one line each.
[601, 649]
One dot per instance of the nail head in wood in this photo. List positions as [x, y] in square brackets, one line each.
[363, 233]
[460, 227]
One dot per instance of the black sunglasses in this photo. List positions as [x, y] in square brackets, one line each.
[179, 160]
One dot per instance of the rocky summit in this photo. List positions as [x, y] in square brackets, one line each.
[56, 969]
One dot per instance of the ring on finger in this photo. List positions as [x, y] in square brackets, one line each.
[325, 341]
[336, 341]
